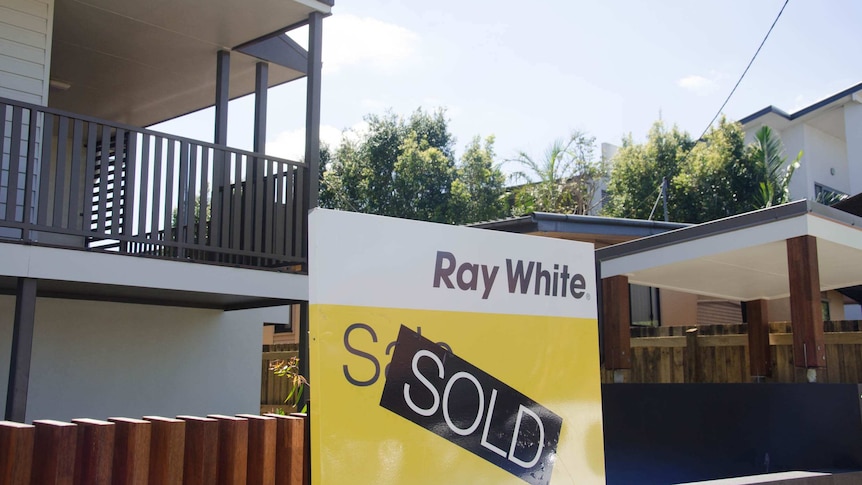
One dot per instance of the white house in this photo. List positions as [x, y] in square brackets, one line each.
[829, 133]
[137, 268]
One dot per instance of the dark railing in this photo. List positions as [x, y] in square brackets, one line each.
[76, 181]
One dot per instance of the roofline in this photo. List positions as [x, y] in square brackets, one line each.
[504, 223]
[599, 220]
[802, 112]
[546, 222]
[728, 224]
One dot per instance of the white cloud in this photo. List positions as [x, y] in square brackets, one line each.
[290, 144]
[350, 40]
[699, 85]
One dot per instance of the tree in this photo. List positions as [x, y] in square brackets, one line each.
[718, 177]
[479, 186]
[406, 168]
[565, 180]
[775, 172]
[422, 179]
[638, 169]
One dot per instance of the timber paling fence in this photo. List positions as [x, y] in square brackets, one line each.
[187, 450]
[274, 389]
[719, 354]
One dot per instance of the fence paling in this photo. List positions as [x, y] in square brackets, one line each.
[188, 450]
[719, 353]
[274, 389]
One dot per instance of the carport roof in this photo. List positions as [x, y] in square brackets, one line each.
[601, 231]
[742, 257]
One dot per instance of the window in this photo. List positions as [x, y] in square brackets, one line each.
[827, 195]
[644, 306]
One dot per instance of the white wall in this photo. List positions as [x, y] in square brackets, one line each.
[101, 359]
[824, 152]
[26, 28]
[793, 140]
[853, 134]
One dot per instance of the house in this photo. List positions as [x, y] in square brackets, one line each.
[136, 267]
[829, 133]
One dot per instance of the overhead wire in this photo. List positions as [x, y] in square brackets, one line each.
[732, 91]
[741, 77]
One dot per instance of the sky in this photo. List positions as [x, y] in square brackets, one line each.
[529, 72]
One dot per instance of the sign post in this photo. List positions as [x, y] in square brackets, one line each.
[444, 354]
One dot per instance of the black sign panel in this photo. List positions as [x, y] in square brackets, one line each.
[450, 397]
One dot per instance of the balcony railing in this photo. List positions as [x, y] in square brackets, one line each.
[74, 181]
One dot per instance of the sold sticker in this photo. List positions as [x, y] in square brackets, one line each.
[470, 408]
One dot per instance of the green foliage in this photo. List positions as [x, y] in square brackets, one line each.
[406, 168]
[289, 369]
[564, 180]
[638, 168]
[775, 171]
[716, 178]
[478, 189]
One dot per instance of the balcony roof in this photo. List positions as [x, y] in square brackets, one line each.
[140, 63]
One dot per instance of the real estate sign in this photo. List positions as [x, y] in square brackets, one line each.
[445, 354]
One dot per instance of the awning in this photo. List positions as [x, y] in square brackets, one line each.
[744, 257]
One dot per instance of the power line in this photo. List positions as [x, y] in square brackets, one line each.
[746, 70]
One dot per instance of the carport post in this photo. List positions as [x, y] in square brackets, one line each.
[616, 327]
[809, 351]
[759, 358]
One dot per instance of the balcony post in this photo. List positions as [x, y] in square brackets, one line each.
[22, 347]
[219, 188]
[312, 107]
[260, 99]
[222, 96]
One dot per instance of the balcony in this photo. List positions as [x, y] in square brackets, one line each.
[78, 182]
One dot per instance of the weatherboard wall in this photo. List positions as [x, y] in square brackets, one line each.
[25, 49]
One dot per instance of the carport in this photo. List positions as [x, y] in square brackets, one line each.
[794, 250]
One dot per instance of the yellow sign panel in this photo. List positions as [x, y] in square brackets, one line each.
[409, 386]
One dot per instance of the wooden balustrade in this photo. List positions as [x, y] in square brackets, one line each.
[81, 182]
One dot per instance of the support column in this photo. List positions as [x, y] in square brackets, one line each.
[759, 357]
[312, 106]
[256, 177]
[261, 83]
[809, 353]
[219, 195]
[222, 96]
[616, 326]
[22, 347]
[302, 332]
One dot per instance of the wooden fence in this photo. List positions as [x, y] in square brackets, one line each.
[187, 450]
[719, 354]
[274, 389]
